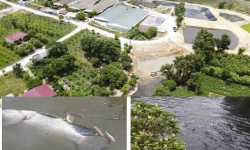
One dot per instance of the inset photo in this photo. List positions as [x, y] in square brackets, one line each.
[190, 123]
[64, 123]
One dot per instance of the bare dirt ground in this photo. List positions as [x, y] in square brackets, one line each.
[150, 57]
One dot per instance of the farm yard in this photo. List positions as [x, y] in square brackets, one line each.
[41, 31]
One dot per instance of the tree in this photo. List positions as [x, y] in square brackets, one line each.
[125, 89]
[241, 50]
[161, 91]
[17, 70]
[99, 91]
[116, 36]
[154, 128]
[132, 82]
[194, 83]
[80, 16]
[33, 83]
[95, 61]
[126, 65]
[59, 49]
[179, 12]
[92, 14]
[221, 5]
[151, 32]
[170, 84]
[223, 43]
[168, 71]
[61, 17]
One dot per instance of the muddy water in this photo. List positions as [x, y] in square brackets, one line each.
[148, 86]
[210, 123]
[97, 111]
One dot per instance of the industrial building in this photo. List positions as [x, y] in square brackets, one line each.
[111, 13]
[68, 2]
[83, 4]
[101, 6]
[127, 20]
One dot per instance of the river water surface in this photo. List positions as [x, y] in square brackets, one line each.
[209, 123]
[97, 111]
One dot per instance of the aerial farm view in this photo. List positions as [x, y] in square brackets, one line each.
[164, 53]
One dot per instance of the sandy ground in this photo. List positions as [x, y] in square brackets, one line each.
[6, 11]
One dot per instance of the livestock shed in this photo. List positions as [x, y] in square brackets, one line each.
[15, 36]
[83, 4]
[101, 6]
[111, 13]
[128, 19]
[62, 2]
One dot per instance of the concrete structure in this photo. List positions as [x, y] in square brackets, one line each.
[128, 19]
[16, 36]
[101, 6]
[71, 15]
[111, 13]
[23, 3]
[40, 56]
[82, 4]
[48, 10]
[40, 91]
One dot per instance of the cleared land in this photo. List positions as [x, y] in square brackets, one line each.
[10, 84]
[45, 29]
[246, 27]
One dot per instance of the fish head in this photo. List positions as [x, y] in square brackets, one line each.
[11, 116]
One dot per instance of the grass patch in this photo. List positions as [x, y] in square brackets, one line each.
[246, 27]
[182, 92]
[218, 86]
[10, 84]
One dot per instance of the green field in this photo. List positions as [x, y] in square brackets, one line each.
[46, 30]
[182, 92]
[246, 27]
[218, 86]
[10, 84]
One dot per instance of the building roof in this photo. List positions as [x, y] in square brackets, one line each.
[111, 13]
[129, 18]
[71, 14]
[101, 6]
[143, 28]
[40, 91]
[16, 36]
[82, 4]
[63, 12]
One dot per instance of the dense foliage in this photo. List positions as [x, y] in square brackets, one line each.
[179, 12]
[80, 16]
[154, 128]
[41, 30]
[136, 34]
[209, 58]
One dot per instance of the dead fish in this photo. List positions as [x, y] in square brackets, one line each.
[55, 128]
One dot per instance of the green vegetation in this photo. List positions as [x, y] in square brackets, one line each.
[92, 14]
[41, 30]
[246, 27]
[10, 84]
[154, 128]
[182, 92]
[97, 25]
[135, 33]
[3, 5]
[80, 16]
[179, 11]
[229, 72]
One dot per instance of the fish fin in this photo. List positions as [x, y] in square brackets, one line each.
[48, 115]
[110, 137]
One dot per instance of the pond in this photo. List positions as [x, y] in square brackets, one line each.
[231, 18]
[191, 32]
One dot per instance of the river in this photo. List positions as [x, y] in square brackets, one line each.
[218, 123]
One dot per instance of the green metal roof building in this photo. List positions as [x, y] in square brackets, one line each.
[111, 13]
[128, 19]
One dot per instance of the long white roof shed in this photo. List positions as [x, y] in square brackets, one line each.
[128, 19]
[111, 13]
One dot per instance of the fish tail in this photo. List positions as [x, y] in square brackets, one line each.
[110, 137]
